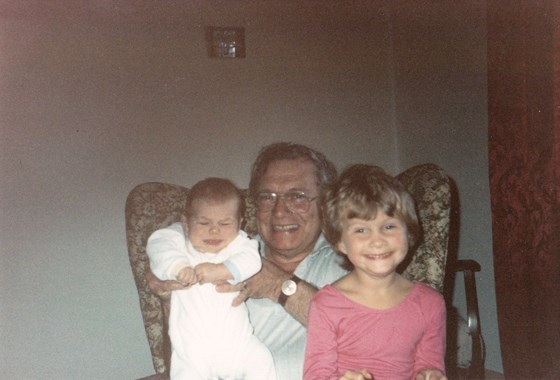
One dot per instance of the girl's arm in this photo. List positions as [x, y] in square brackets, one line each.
[430, 352]
[321, 350]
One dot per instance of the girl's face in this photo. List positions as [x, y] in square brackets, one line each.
[377, 246]
[213, 225]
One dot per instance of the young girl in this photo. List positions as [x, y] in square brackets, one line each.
[373, 323]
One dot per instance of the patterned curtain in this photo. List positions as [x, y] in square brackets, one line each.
[524, 155]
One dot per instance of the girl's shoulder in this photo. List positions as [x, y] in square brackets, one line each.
[327, 291]
[422, 288]
[425, 294]
[333, 304]
[328, 296]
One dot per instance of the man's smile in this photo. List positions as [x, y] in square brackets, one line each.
[285, 227]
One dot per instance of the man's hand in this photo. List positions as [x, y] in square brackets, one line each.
[430, 374]
[353, 375]
[161, 288]
[265, 284]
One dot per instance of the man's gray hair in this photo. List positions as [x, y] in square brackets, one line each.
[326, 171]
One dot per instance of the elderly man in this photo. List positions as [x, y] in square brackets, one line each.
[285, 184]
[297, 260]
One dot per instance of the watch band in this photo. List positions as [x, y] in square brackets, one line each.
[284, 297]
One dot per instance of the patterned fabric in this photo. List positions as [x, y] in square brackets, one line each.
[429, 186]
[524, 167]
[151, 206]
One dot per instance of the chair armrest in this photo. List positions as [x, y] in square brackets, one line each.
[466, 265]
[469, 268]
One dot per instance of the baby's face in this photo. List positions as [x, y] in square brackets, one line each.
[213, 225]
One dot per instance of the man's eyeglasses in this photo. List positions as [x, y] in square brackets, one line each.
[296, 201]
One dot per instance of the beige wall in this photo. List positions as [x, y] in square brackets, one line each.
[441, 116]
[98, 97]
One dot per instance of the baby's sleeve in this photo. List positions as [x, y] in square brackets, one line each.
[166, 249]
[245, 260]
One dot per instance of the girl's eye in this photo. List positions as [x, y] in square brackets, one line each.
[203, 223]
[390, 226]
[359, 230]
[224, 224]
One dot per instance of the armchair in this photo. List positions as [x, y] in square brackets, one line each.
[430, 187]
[152, 205]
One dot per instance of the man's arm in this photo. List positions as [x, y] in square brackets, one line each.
[161, 288]
[267, 284]
[297, 304]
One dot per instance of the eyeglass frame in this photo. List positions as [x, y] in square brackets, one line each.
[278, 196]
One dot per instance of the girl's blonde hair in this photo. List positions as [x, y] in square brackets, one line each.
[360, 192]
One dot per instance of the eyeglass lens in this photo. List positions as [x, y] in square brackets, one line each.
[295, 201]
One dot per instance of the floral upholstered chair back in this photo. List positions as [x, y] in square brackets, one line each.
[151, 206]
[429, 186]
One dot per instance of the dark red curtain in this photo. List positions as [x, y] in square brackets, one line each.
[524, 155]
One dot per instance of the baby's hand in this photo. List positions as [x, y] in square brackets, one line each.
[187, 276]
[430, 374]
[212, 273]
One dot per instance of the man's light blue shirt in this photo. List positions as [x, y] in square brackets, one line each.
[284, 336]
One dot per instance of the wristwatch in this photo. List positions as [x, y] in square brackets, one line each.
[289, 288]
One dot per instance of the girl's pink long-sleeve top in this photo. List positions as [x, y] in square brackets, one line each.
[395, 343]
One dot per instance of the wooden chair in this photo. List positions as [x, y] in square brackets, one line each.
[431, 189]
[152, 205]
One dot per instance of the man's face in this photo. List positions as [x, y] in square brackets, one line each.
[289, 235]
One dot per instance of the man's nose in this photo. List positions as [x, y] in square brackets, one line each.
[280, 206]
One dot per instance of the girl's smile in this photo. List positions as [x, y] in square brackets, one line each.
[375, 246]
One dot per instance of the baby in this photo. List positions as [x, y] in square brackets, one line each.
[210, 338]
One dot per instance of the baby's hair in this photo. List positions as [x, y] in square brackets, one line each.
[214, 190]
[360, 192]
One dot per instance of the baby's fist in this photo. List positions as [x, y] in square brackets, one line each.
[187, 276]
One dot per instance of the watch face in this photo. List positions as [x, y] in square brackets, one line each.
[289, 287]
